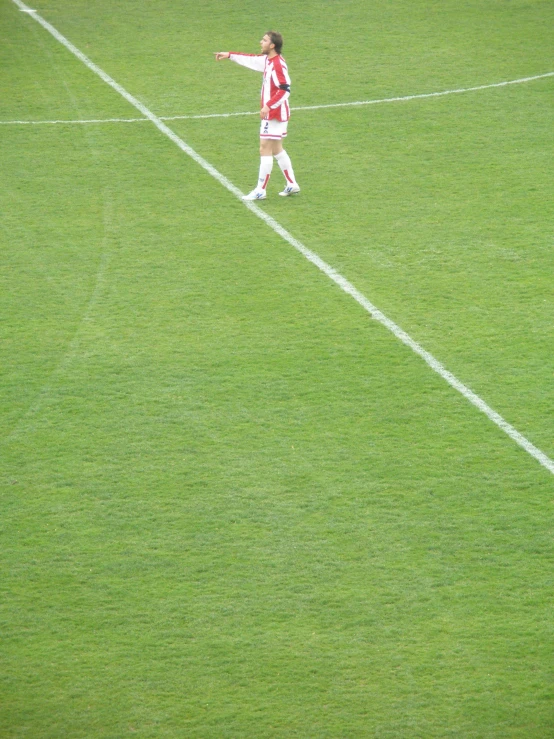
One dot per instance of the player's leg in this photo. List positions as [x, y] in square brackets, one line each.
[271, 145]
[283, 160]
[266, 163]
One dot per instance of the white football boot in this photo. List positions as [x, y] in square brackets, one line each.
[255, 195]
[290, 190]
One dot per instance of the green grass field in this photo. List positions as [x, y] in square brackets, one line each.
[234, 505]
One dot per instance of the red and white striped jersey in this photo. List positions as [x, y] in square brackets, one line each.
[276, 83]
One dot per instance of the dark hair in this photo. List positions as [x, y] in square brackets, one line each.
[276, 39]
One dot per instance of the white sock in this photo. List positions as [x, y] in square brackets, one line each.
[266, 165]
[283, 160]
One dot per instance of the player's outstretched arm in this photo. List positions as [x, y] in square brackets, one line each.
[252, 61]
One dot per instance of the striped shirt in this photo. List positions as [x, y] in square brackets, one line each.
[276, 82]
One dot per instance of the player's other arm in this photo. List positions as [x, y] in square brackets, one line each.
[252, 61]
[282, 83]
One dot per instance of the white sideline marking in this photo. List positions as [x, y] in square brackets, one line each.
[337, 278]
[301, 107]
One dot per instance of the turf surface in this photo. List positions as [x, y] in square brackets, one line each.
[233, 505]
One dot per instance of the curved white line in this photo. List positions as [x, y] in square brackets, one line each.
[42, 395]
[92, 120]
[356, 103]
[375, 102]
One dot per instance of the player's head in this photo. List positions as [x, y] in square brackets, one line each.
[272, 41]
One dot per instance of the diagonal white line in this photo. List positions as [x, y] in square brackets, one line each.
[337, 278]
[351, 104]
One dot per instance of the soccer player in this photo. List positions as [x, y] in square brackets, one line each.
[275, 111]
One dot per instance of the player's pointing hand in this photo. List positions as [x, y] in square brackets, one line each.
[219, 55]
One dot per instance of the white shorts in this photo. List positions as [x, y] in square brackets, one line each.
[273, 129]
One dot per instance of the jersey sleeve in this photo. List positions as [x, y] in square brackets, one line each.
[281, 80]
[252, 61]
